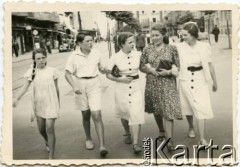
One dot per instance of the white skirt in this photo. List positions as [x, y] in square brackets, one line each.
[129, 102]
[194, 96]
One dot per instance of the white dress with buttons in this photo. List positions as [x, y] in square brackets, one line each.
[128, 97]
[193, 89]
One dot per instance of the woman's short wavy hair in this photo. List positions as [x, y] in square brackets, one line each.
[122, 38]
[162, 28]
[192, 29]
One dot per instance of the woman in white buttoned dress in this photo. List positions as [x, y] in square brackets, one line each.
[128, 94]
[196, 74]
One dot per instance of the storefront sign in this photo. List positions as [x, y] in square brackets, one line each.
[28, 28]
[35, 32]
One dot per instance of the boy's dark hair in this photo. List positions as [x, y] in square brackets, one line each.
[80, 37]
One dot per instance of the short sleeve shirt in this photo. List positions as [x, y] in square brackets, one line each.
[81, 65]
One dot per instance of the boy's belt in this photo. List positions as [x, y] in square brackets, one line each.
[88, 77]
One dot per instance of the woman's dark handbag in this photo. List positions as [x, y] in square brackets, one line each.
[164, 64]
[115, 71]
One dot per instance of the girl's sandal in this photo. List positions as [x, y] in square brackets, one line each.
[47, 148]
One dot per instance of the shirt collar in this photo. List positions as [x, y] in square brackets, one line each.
[126, 55]
[79, 52]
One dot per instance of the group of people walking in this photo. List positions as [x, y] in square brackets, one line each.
[188, 62]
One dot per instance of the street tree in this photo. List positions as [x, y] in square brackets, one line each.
[123, 17]
[186, 17]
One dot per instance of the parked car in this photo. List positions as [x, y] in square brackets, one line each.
[64, 47]
[67, 45]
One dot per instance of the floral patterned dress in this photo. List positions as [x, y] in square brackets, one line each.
[161, 95]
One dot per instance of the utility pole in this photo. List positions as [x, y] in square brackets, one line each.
[109, 40]
[79, 21]
[228, 33]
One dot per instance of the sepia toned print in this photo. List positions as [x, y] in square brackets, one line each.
[71, 71]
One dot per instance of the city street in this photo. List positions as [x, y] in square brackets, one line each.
[28, 144]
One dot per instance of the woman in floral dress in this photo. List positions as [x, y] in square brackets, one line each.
[161, 96]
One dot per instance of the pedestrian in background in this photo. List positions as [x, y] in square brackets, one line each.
[45, 97]
[48, 45]
[160, 62]
[140, 41]
[128, 94]
[196, 72]
[15, 48]
[84, 64]
[216, 32]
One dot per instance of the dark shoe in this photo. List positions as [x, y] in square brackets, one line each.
[103, 152]
[137, 149]
[170, 146]
[161, 136]
[128, 139]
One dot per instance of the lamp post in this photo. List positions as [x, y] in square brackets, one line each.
[109, 40]
[228, 33]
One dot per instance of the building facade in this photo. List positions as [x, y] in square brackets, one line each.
[148, 18]
[221, 18]
[26, 24]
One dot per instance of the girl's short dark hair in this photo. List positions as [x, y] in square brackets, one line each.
[163, 30]
[122, 38]
[192, 29]
[80, 37]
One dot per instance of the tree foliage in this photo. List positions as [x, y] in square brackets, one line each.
[186, 17]
[125, 17]
[208, 12]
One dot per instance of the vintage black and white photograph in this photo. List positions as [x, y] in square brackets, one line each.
[105, 84]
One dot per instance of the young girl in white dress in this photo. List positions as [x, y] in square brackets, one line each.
[45, 97]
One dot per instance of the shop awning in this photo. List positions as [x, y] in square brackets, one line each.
[21, 14]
